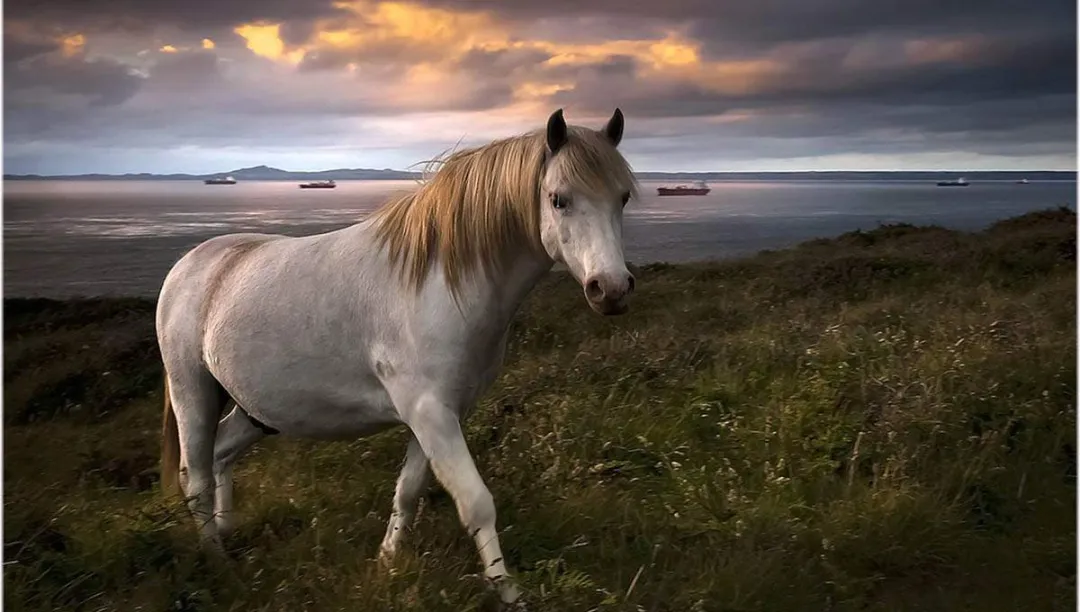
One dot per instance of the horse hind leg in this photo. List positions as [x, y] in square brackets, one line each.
[236, 433]
[197, 403]
[415, 475]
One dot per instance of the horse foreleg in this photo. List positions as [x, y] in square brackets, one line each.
[236, 433]
[438, 431]
[414, 476]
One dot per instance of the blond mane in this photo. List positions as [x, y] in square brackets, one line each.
[485, 201]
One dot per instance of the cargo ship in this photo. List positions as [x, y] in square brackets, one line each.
[318, 185]
[960, 182]
[228, 180]
[699, 188]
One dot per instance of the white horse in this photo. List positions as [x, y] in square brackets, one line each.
[401, 319]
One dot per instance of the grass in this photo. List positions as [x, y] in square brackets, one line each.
[881, 421]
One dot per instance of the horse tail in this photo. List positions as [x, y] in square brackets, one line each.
[170, 445]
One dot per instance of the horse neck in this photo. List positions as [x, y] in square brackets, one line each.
[510, 285]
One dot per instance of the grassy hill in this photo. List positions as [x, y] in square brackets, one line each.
[881, 421]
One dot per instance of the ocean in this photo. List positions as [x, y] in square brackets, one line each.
[119, 238]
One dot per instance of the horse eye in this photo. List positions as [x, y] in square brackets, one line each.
[559, 201]
[625, 198]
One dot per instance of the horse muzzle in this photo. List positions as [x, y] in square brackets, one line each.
[607, 293]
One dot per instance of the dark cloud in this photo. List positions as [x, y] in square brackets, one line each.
[796, 78]
[48, 93]
[298, 31]
[793, 20]
[192, 69]
[817, 76]
[137, 14]
[773, 21]
[998, 69]
[186, 98]
[327, 59]
[1044, 118]
[579, 28]
[716, 22]
[16, 50]
[501, 63]
[99, 81]
[780, 136]
[390, 58]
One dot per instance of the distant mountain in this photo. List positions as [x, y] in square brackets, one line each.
[255, 173]
[267, 173]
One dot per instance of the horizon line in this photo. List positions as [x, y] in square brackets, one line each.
[806, 171]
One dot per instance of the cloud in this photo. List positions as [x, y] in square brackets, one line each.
[722, 79]
[948, 74]
[143, 14]
[54, 72]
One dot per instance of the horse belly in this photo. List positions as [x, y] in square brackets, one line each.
[317, 413]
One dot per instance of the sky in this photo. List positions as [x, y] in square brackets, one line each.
[706, 85]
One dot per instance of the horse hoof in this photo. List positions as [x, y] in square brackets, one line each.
[517, 605]
[225, 528]
[498, 602]
[213, 545]
[509, 594]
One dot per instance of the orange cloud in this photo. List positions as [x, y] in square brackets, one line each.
[434, 41]
[430, 31]
[530, 99]
[427, 81]
[168, 49]
[673, 53]
[208, 44]
[532, 90]
[445, 35]
[436, 26]
[657, 54]
[265, 40]
[72, 44]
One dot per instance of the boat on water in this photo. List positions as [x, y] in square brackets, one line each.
[698, 188]
[318, 185]
[960, 182]
[227, 180]
[1022, 182]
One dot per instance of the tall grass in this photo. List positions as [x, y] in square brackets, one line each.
[881, 421]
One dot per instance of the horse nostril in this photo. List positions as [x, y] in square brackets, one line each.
[630, 284]
[593, 291]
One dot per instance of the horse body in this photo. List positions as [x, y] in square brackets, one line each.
[318, 336]
[353, 335]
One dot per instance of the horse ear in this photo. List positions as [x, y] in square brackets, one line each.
[556, 131]
[614, 128]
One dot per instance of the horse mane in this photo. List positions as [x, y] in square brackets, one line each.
[484, 202]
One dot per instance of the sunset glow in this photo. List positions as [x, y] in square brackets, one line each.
[751, 86]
